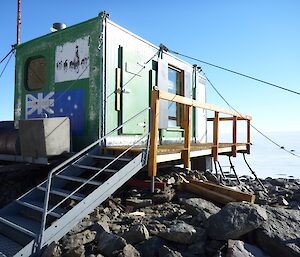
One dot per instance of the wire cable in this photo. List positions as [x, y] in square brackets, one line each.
[236, 72]
[11, 54]
[134, 76]
[6, 55]
[261, 133]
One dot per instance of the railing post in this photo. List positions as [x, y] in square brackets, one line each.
[187, 137]
[216, 136]
[248, 136]
[234, 136]
[152, 166]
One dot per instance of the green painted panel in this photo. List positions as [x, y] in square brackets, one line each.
[136, 83]
[86, 88]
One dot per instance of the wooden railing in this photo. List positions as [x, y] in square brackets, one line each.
[188, 103]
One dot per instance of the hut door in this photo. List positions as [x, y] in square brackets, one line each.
[135, 93]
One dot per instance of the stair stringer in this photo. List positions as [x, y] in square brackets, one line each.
[68, 221]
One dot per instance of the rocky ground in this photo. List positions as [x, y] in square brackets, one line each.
[173, 223]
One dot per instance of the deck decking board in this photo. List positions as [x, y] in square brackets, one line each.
[170, 152]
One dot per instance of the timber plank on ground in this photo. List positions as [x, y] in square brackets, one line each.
[217, 193]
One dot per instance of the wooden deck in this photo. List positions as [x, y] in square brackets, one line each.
[172, 152]
[188, 150]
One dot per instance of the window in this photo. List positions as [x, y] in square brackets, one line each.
[36, 73]
[174, 87]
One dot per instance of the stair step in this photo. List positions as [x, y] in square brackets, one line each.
[80, 180]
[8, 247]
[38, 206]
[63, 193]
[94, 168]
[105, 157]
[21, 224]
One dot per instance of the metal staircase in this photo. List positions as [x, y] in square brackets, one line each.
[73, 190]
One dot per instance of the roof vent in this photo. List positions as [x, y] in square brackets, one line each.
[57, 26]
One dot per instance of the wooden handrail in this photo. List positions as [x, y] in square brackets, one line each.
[227, 118]
[191, 102]
[187, 110]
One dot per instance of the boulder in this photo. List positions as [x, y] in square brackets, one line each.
[108, 243]
[75, 252]
[165, 251]
[197, 249]
[238, 248]
[200, 207]
[53, 250]
[100, 227]
[81, 226]
[280, 235]
[76, 240]
[129, 251]
[179, 232]
[150, 247]
[136, 234]
[235, 220]
[214, 247]
[282, 201]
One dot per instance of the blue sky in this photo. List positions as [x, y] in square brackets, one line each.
[259, 38]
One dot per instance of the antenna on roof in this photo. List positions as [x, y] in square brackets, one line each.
[18, 22]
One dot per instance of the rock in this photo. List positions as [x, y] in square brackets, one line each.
[108, 243]
[75, 252]
[165, 251]
[129, 251]
[200, 235]
[197, 249]
[81, 226]
[136, 234]
[163, 197]
[170, 181]
[278, 182]
[238, 248]
[211, 177]
[53, 250]
[214, 247]
[150, 247]
[76, 240]
[100, 227]
[200, 207]
[235, 220]
[280, 235]
[138, 203]
[179, 232]
[282, 201]
[116, 229]
[296, 197]
[261, 197]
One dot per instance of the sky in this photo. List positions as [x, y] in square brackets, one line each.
[259, 38]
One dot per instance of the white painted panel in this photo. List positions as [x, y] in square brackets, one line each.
[72, 60]
[162, 83]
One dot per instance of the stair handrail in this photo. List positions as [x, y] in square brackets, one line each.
[98, 172]
[39, 243]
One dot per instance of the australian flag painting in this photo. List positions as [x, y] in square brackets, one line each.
[58, 104]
